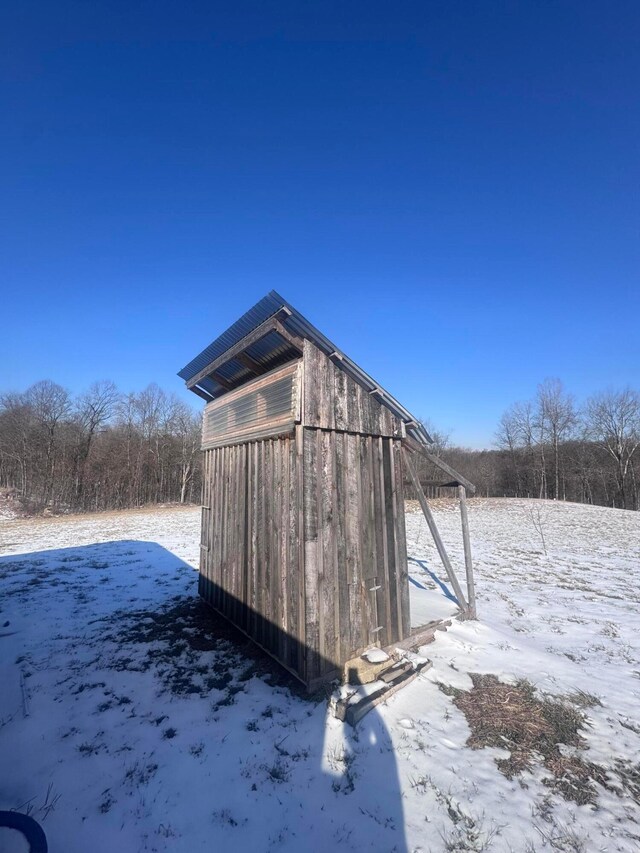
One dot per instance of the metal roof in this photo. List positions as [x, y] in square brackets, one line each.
[271, 351]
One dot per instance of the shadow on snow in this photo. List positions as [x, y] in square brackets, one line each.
[130, 607]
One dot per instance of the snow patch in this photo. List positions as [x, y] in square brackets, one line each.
[375, 655]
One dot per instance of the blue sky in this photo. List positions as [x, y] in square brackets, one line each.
[450, 191]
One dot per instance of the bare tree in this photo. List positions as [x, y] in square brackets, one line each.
[188, 429]
[558, 417]
[441, 439]
[50, 404]
[94, 409]
[540, 431]
[104, 450]
[16, 428]
[525, 431]
[508, 438]
[537, 520]
[614, 422]
[100, 451]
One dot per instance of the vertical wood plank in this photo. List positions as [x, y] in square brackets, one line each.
[327, 393]
[232, 545]
[390, 527]
[311, 554]
[237, 527]
[365, 621]
[342, 568]
[371, 568]
[382, 578]
[341, 414]
[213, 498]
[285, 567]
[332, 558]
[296, 568]
[268, 531]
[354, 552]
[255, 541]
[366, 405]
[276, 535]
[397, 558]
[243, 537]
[302, 605]
[311, 379]
[404, 623]
[367, 520]
[260, 543]
[353, 411]
[219, 566]
[249, 533]
[320, 553]
[327, 592]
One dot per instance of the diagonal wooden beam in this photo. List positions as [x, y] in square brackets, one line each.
[411, 444]
[272, 324]
[426, 509]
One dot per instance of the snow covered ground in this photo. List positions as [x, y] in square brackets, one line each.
[149, 726]
[430, 600]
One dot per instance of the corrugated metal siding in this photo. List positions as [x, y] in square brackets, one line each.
[267, 405]
[267, 307]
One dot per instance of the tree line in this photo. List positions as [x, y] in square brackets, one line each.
[99, 450]
[549, 447]
[103, 449]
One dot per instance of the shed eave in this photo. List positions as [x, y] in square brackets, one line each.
[267, 354]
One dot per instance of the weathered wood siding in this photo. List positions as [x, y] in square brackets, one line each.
[355, 567]
[355, 572]
[333, 400]
[303, 535]
[251, 567]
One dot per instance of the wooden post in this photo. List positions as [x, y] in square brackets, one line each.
[468, 562]
[426, 509]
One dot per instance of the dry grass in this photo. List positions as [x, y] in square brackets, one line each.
[513, 717]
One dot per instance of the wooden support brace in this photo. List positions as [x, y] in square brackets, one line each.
[411, 444]
[426, 509]
[468, 562]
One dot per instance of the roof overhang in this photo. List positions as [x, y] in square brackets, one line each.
[268, 335]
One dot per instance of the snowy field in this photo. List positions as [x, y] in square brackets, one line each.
[150, 726]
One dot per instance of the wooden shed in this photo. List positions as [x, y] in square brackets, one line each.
[303, 531]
